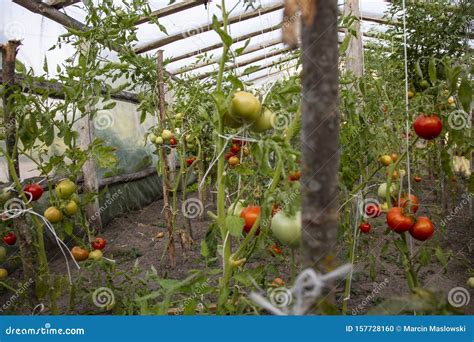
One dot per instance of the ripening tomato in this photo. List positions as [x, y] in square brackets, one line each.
[34, 190]
[385, 160]
[365, 227]
[276, 249]
[417, 179]
[235, 148]
[373, 210]
[53, 215]
[294, 176]
[166, 134]
[398, 221]
[10, 239]
[79, 254]
[245, 106]
[245, 151]
[98, 243]
[423, 229]
[428, 126]
[394, 157]
[233, 161]
[250, 214]
[96, 255]
[3, 273]
[409, 202]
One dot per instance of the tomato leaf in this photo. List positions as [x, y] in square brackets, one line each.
[442, 258]
[235, 225]
[425, 256]
[432, 70]
[418, 69]
[204, 249]
[465, 94]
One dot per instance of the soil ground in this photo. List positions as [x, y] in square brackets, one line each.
[132, 237]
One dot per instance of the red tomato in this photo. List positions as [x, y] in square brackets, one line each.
[250, 215]
[365, 227]
[423, 229]
[428, 126]
[35, 190]
[235, 148]
[417, 179]
[411, 202]
[228, 155]
[98, 243]
[10, 239]
[373, 210]
[398, 221]
[173, 142]
[190, 161]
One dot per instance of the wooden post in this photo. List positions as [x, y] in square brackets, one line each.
[354, 54]
[164, 159]
[9, 51]
[89, 170]
[25, 241]
[320, 135]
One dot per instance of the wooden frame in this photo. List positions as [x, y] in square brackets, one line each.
[204, 28]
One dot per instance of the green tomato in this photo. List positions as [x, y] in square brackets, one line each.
[179, 116]
[424, 84]
[264, 123]
[71, 208]
[159, 141]
[470, 282]
[65, 188]
[5, 195]
[287, 229]
[382, 190]
[96, 255]
[235, 208]
[245, 106]
[152, 138]
[166, 134]
[3, 273]
[230, 121]
[3, 254]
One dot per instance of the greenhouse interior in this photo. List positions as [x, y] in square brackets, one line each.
[236, 157]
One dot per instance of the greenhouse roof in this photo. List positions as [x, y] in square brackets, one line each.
[189, 32]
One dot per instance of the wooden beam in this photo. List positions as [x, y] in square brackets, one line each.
[247, 62]
[354, 53]
[39, 7]
[178, 7]
[219, 45]
[9, 52]
[272, 73]
[61, 3]
[204, 28]
[55, 89]
[320, 132]
[215, 60]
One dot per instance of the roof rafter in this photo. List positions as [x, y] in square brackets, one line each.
[204, 28]
[215, 60]
[61, 3]
[219, 45]
[172, 9]
[250, 61]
